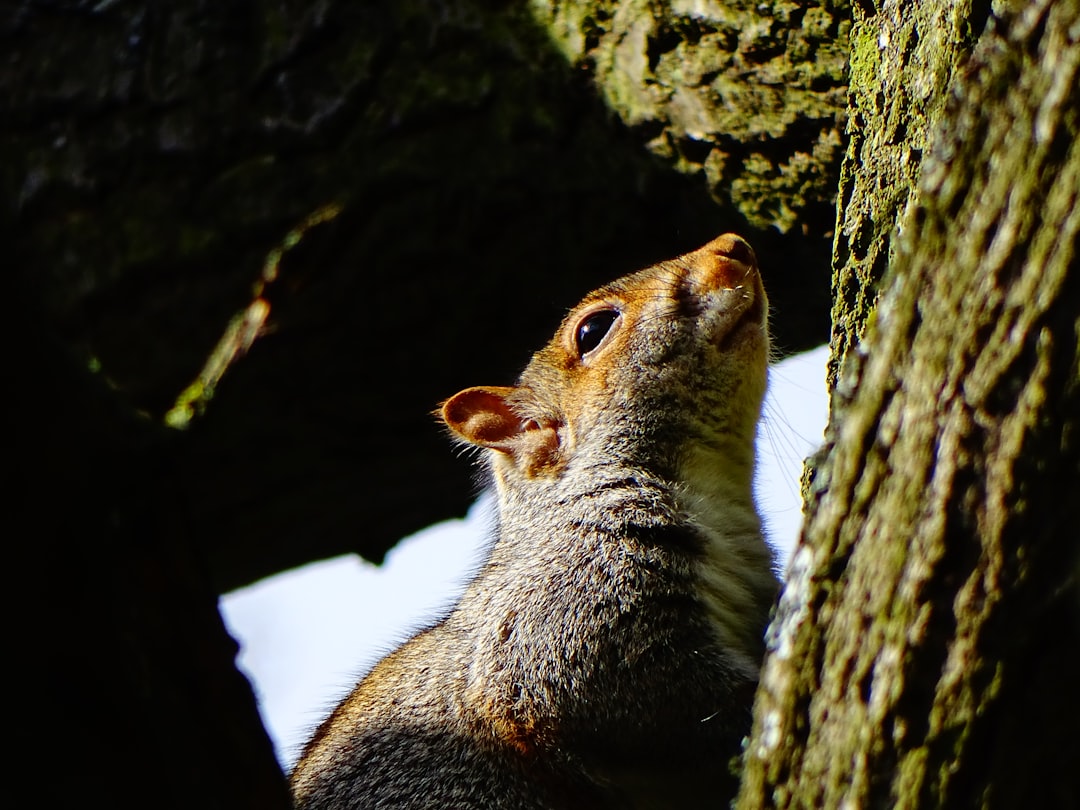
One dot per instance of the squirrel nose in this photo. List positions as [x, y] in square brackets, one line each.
[732, 246]
[726, 262]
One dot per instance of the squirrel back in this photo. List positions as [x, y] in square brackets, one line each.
[607, 653]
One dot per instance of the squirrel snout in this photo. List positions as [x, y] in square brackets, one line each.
[734, 247]
[726, 263]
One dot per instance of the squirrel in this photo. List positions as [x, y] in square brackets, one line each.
[606, 654]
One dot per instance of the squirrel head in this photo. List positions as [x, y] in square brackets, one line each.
[670, 356]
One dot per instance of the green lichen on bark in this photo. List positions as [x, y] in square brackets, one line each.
[901, 59]
[731, 91]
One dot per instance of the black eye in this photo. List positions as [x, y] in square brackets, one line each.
[592, 330]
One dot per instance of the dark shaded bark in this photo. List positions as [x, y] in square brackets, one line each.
[927, 645]
[903, 56]
[124, 688]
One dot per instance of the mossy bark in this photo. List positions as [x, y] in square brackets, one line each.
[744, 93]
[903, 56]
[927, 644]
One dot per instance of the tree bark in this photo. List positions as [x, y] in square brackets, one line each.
[124, 688]
[744, 93]
[927, 644]
[902, 58]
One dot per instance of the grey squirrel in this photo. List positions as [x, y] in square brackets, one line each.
[606, 654]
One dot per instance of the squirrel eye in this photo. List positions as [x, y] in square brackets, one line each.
[593, 329]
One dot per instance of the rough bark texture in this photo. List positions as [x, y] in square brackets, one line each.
[745, 93]
[902, 57]
[927, 645]
[153, 155]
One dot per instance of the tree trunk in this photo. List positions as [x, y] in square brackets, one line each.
[927, 647]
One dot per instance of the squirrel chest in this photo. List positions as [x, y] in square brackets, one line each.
[607, 652]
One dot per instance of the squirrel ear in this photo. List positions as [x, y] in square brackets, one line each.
[482, 416]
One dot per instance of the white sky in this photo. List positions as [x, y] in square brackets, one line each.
[307, 635]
